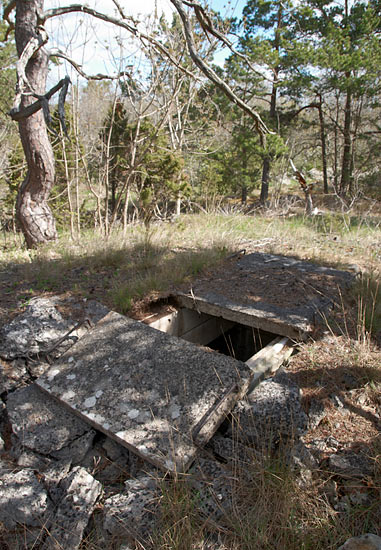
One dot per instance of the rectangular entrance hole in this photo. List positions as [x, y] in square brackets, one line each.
[233, 339]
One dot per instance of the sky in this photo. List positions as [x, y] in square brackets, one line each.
[94, 44]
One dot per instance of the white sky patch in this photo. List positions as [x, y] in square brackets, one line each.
[97, 46]
[101, 47]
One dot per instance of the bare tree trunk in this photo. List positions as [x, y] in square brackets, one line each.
[35, 217]
[323, 145]
[347, 152]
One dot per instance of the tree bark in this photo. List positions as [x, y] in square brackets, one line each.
[33, 212]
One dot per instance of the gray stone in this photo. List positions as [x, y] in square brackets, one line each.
[316, 414]
[351, 464]
[132, 515]
[369, 541]
[157, 395]
[81, 492]
[23, 499]
[271, 414]
[301, 457]
[40, 423]
[34, 331]
[52, 476]
[214, 485]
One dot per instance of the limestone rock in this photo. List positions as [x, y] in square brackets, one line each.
[81, 491]
[131, 515]
[23, 499]
[40, 423]
[363, 542]
[271, 414]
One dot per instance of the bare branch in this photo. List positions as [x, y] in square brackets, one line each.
[39, 104]
[119, 8]
[78, 68]
[212, 75]
[123, 24]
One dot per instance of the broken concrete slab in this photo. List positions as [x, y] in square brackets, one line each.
[23, 500]
[157, 395]
[81, 492]
[40, 423]
[40, 326]
[281, 295]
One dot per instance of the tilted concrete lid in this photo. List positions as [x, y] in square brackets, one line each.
[156, 394]
[279, 294]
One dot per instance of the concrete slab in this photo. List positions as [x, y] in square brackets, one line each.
[157, 395]
[279, 294]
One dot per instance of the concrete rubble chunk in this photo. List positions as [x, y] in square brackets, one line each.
[34, 331]
[40, 423]
[132, 515]
[369, 541]
[153, 393]
[23, 500]
[81, 492]
[271, 414]
[230, 450]
[214, 484]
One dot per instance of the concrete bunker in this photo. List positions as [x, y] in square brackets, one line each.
[151, 389]
[261, 350]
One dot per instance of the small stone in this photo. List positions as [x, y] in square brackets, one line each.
[90, 402]
[363, 542]
[271, 414]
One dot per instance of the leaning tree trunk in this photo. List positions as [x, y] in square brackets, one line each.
[35, 217]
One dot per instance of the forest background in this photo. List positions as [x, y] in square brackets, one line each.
[154, 141]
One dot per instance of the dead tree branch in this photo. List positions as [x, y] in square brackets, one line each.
[78, 68]
[34, 44]
[39, 104]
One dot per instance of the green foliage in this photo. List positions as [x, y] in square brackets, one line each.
[140, 153]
